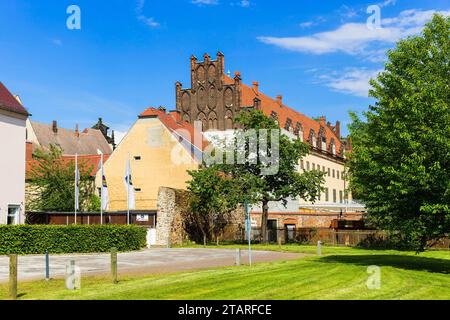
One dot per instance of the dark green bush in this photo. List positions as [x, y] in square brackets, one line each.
[392, 241]
[36, 239]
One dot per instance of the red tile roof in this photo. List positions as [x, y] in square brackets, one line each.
[9, 103]
[88, 161]
[173, 122]
[269, 105]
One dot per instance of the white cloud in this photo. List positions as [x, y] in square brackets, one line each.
[149, 21]
[387, 3]
[205, 2]
[348, 12]
[312, 23]
[353, 81]
[57, 42]
[307, 24]
[244, 3]
[357, 38]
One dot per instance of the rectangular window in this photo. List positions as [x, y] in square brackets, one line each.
[343, 175]
[334, 196]
[338, 174]
[329, 172]
[302, 164]
[327, 194]
[341, 198]
[314, 166]
[137, 158]
[307, 165]
[13, 215]
[323, 168]
[137, 189]
[334, 173]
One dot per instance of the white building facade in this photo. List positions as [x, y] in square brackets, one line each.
[13, 118]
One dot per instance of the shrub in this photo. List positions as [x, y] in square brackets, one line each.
[36, 239]
[392, 241]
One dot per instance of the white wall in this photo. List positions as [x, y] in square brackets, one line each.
[12, 165]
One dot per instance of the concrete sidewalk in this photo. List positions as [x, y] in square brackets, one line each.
[149, 261]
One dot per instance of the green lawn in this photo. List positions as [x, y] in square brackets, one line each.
[341, 273]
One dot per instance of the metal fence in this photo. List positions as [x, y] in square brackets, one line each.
[305, 236]
[142, 218]
[313, 235]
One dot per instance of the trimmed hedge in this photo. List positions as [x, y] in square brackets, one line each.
[36, 239]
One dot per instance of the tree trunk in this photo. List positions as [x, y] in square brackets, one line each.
[265, 216]
[204, 239]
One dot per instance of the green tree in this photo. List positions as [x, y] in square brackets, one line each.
[400, 164]
[213, 198]
[52, 183]
[259, 187]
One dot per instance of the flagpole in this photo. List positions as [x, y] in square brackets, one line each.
[101, 192]
[128, 190]
[249, 233]
[76, 185]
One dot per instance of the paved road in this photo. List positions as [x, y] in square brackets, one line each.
[149, 261]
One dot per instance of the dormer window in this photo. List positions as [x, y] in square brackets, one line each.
[274, 116]
[288, 125]
[333, 147]
[324, 144]
[312, 138]
[299, 131]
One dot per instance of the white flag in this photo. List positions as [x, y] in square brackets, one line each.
[129, 186]
[77, 181]
[104, 189]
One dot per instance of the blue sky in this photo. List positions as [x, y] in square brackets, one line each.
[129, 53]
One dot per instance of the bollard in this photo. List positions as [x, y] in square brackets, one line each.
[169, 245]
[114, 265]
[73, 276]
[13, 276]
[319, 248]
[47, 266]
[238, 257]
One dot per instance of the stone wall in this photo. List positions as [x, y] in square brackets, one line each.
[169, 224]
[172, 208]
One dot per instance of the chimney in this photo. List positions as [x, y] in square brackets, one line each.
[237, 78]
[323, 121]
[280, 100]
[54, 126]
[29, 151]
[337, 129]
[256, 87]
[175, 114]
[77, 131]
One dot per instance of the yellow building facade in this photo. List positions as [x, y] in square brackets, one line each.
[161, 153]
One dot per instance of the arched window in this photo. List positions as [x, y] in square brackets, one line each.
[202, 118]
[229, 120]
[212, 121]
